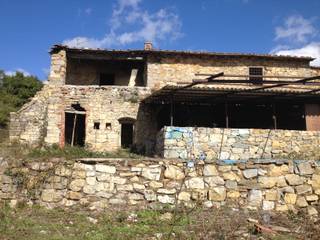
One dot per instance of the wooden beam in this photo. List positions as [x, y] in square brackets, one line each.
[248, 76]
[274, 115]
[171, 111]
[226, 114]
[75, 112]
[73, 129]
[232, 81]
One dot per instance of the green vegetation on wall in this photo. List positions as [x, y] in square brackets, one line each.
[15, 90]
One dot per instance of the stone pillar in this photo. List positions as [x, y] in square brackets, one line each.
[58, 68]
[312, 112]
[133, 77]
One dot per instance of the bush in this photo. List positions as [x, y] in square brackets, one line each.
[15, 91]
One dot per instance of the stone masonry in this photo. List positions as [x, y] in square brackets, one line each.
[236, 144]
[42, 121]
[279, 185]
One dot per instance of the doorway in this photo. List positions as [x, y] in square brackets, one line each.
[75, 129]
[126, 135]
[127, 132]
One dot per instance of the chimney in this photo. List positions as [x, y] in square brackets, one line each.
[148, 46]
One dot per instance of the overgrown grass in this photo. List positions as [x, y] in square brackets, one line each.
[17, 151]
[69, 152]
[39, 223]
[224, 223]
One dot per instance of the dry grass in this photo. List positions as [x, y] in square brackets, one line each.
[224, 223]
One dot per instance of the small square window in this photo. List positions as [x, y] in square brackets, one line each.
[256, 75]
[96, 125]
[108, 126]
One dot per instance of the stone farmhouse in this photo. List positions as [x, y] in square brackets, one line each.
[177, 104]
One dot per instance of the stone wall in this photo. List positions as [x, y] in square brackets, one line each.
[181, 70]
[236, 144]
[271, 185]
[28, 125]
[103, 105]
[42, 121]
[58, 68]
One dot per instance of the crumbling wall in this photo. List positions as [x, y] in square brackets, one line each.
[43, 119]
[103, 105]
[279, 185]
[236, 144]
[28, 125]
[58, 68]
[182, 69]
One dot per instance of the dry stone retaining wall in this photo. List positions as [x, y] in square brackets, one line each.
[279, 185]
[236, 144]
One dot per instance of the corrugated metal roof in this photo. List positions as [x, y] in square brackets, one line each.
[158, 52]
[213, 92]
[287, 89]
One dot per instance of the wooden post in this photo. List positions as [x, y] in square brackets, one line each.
[171, 111]
[73, 129]
[226, 114]
[274, 115]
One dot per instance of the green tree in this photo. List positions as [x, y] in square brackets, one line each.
[15, 91]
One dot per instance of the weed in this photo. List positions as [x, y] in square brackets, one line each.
[69, 152]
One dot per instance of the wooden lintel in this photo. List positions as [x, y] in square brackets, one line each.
[75, 112]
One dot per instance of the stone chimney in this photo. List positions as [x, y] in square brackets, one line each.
[148, 46]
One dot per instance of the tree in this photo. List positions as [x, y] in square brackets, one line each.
[15, 91]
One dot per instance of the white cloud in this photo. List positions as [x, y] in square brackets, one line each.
[88, 11]
[143, 25]
[296, 29]
[14, 72]
[310, 50]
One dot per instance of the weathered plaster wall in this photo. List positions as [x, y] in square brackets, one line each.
[163, 71]
[236, 144]
[271, 185]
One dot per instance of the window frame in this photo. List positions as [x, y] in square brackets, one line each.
[256, 79]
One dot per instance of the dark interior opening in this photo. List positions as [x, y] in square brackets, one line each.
[106, 79]
[75, 129]
[240, 115]
[192, 116]
[250, 116]
[291, 116]
[96, 125]
[126, 135]
[82, 71]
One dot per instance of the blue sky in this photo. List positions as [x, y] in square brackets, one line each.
[30, 28]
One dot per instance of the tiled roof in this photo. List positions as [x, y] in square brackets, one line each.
[177, 53]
